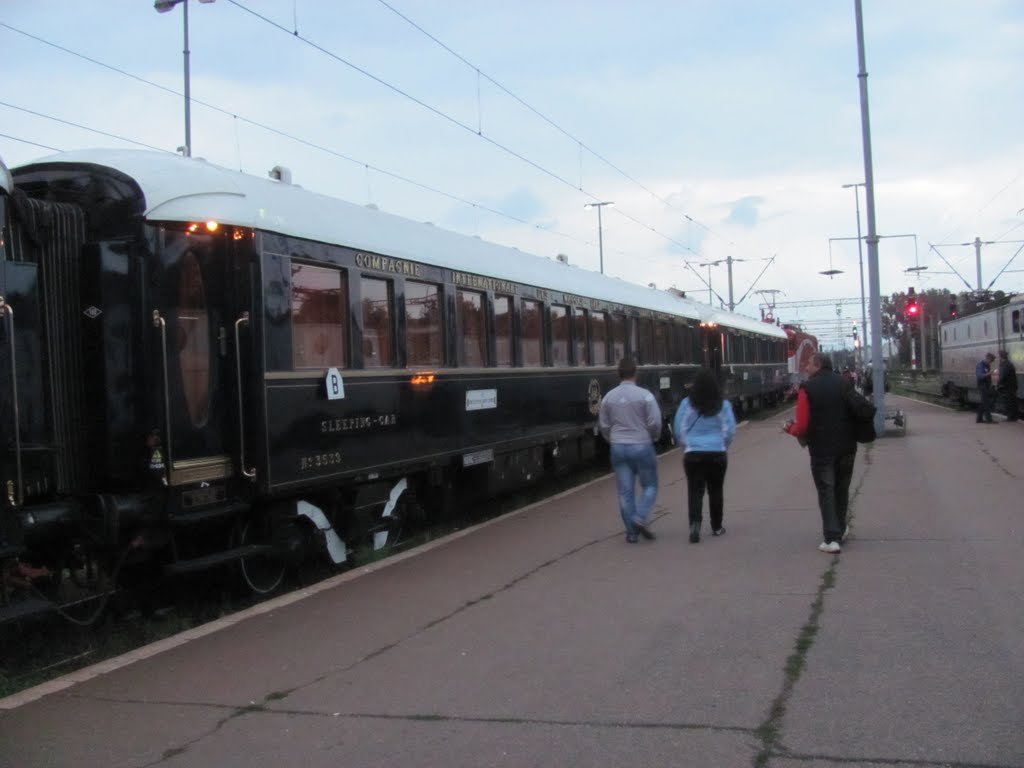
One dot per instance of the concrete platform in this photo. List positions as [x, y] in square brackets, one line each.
[543, 639]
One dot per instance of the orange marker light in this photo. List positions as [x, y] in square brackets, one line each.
[422, 378]
[212, 226]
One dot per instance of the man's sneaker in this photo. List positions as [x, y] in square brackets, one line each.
[830, 547]
[718, 532]
[694, 533]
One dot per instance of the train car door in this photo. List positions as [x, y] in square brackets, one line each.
[21, 379]
[200, 284]
[713, 349]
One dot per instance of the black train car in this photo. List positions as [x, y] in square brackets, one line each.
[199, 366]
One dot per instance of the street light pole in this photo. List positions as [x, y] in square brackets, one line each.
[600, 237]
[874, 286]
[860, 257]
[163, 6]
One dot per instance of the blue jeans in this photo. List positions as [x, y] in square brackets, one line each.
[632, 462]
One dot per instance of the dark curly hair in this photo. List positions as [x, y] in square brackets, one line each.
[705, 396]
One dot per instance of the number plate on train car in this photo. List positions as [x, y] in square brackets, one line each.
[477, 457]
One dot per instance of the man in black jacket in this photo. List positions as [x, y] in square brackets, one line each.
[823, 421]
[1008, 385]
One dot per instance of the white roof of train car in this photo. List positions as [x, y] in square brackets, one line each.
[6, 183]
[744, 323]
[191, 189]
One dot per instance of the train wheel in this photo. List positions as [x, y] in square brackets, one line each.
[262, 571]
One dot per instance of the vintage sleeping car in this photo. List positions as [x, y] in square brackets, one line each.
[199, 366]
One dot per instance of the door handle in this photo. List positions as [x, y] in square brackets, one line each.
[158, 322]
[249, 472]
[15, 499]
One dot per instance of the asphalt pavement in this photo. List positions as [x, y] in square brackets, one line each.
[543, 639]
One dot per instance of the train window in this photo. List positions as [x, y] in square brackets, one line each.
[531, 337]
[1016, 321]
[194, 340]
[319, 310]
[634, 340]
[984, 329]
[503, 331]
[646, 346]
[378, 323]
[618, 338]
[599, 337]
[422, 324]
[559, 335]
[579, 330]
[474, 329]
[661, 342]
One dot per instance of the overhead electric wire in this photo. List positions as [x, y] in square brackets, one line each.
[79, 125]
[549, 121]
[452, 120]
[263, 126]
[26, 141]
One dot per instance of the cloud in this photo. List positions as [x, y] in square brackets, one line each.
[744, 212]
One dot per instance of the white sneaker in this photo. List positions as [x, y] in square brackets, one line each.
[830, 547]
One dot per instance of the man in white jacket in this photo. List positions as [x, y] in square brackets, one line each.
[630, 420]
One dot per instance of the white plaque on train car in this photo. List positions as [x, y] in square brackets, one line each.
[481, 399]
[477, 457]
[665, 383]
[335, 385]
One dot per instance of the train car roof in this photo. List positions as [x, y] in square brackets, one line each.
[6, 182]
[183, 189]
[744, 323]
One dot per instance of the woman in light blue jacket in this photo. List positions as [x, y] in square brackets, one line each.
[704, 427]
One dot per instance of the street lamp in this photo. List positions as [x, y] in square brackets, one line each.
[860, 257]
[163, 6]
[600, 240]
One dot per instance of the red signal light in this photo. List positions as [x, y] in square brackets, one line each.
[913, 310]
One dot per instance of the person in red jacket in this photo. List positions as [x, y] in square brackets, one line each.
[823, 423]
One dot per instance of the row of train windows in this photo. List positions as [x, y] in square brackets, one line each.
[577, 336]
[1015, 327]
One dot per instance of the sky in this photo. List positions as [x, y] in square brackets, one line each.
[722, 130]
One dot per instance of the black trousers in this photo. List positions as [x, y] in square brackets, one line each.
[832, 478]
[1010, 403]
[705, 470]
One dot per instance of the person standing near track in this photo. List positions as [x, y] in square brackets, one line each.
[1007, 385]
[823, 420]
[983, 373]
[705, 427]
[630, 420]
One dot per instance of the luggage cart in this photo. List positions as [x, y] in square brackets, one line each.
[897, 418]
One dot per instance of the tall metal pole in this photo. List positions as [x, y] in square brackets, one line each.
[188, 92]
[728, 264]
[600, 228]
[977, 258]
[924, 349]
[877, 373]
[860, 258]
